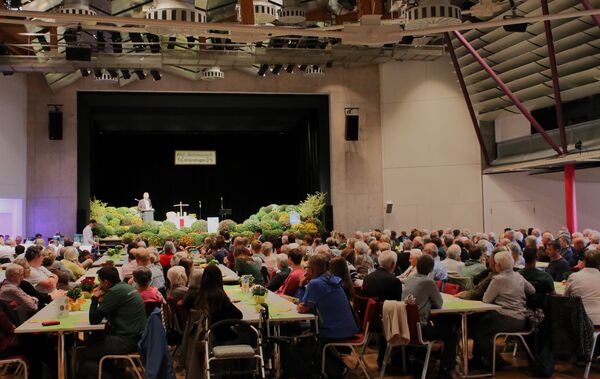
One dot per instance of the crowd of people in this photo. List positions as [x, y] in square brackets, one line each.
[321, 276]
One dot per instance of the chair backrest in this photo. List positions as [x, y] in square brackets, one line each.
[414, 321]
[370, 314]
[150, 306]
[451, 289]
[237, 331]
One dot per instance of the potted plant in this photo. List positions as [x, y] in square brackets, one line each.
[260, 294]
[87, 286]
[73, 296]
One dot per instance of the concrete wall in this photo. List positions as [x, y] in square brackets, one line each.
[356, 177]
[431, 159]
[521, 200]
[512, 126]
[13, 153]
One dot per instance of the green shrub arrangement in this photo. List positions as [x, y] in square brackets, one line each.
[273, 219]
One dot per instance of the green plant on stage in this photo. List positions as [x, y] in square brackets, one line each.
[313, 205]
[128, 237]
[227, 225]
[156, 240]
[200, 226]
[97, 208]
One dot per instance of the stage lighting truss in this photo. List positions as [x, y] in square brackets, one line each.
[427, 13]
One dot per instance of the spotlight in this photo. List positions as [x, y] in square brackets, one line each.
[138, 42]
[113, 73]
[97, 73]
[70, 36]
[140, 74]
[14, 4]
[100, 40]
[315, 67]
[126, 74]
[156, 75]
[277, 69]
[116, 39]
[579, 146]
[302, 67]
[290, 68]
[329, 64]
[262, 71]
[154, 43]
[84, 72]
[42, 40]
[191, 41]
[171, 44]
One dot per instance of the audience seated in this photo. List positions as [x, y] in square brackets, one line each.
[507, 289]
[71, 262]
[123, 307]
[339, 268]
[558, 266]
[292, 282]
[324, 296]
[246, 265]
[473, 266]
[452, 262]
[143, 260]
[586, 284]
[142, 277]
[283, 270]
[382, 283]
[127, 268]
[40, 277]
[541, 280]
[167, 253]
[424, 290]
[439, 271]
[415, 254]
[10, 291]
[403, 261]
[178, 281]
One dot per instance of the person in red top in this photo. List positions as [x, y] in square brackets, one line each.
[292, 282]
[142, 277]
[167, 254]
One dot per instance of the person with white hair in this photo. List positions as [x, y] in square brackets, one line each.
[7, 252]
[283, 270]
[10, 291]
[71, 261]
[594, 237]
[492, 238]
[452, 261]
[507, 289]
[439, 271]
[415, 254]
[382, 283]
[177, 283]
[517, 253]
[364, 263]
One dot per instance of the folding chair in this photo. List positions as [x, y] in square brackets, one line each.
[521, 335]
[14, 366]
[134, 360]
[416, 339]
[358, 341]
[251, 349]
[591, 358]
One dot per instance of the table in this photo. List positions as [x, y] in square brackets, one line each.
[464, 308]
[541, 265]
[118, 260]
[559, 288]
[73, 323]
[229, 276]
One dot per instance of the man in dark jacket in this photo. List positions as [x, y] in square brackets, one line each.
[382, 283]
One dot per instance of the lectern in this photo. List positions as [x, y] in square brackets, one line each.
[148, 215]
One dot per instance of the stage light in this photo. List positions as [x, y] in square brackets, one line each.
[84, 72]
[171, 44]
[113, 73]
[156, 75]
[140, 74]
[329, 64]
[42, 40]
[100, 40]
[126, 74]
[290, 68]
[277, 69]
[302, 67]
[70, 36]
[116, 39]
[97, 73]
[154, 43]
[315, 67]
[138, 42]
[191, 41]
[262, 71]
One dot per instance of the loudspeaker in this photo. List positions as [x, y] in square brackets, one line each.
[351, 127]
[78, 53]
[388, 207]
[55, 127]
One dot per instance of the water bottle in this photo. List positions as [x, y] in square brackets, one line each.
[63, 306]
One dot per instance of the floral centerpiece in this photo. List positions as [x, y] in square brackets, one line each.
[87, 286]
[259, 293]
[74, 301]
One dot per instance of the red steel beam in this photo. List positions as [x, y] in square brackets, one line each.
[588, 6]
[465, 92]
[570, 198]
[507, 91]
[555, 84]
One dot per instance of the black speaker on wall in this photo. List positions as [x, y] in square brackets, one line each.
[55, 126]
[351, 127]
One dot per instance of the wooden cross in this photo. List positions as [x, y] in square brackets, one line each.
[181, 205]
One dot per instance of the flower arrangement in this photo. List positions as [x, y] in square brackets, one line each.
[87, 286]
[259, 293]
[74, 293]
[74, 301]
[313, 205]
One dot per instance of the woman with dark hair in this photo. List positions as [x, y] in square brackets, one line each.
[245, 265]
[188, 265]
[339, 268]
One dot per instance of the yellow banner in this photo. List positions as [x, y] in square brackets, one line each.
[195, 157]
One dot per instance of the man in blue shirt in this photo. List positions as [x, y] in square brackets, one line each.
[325, 297]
